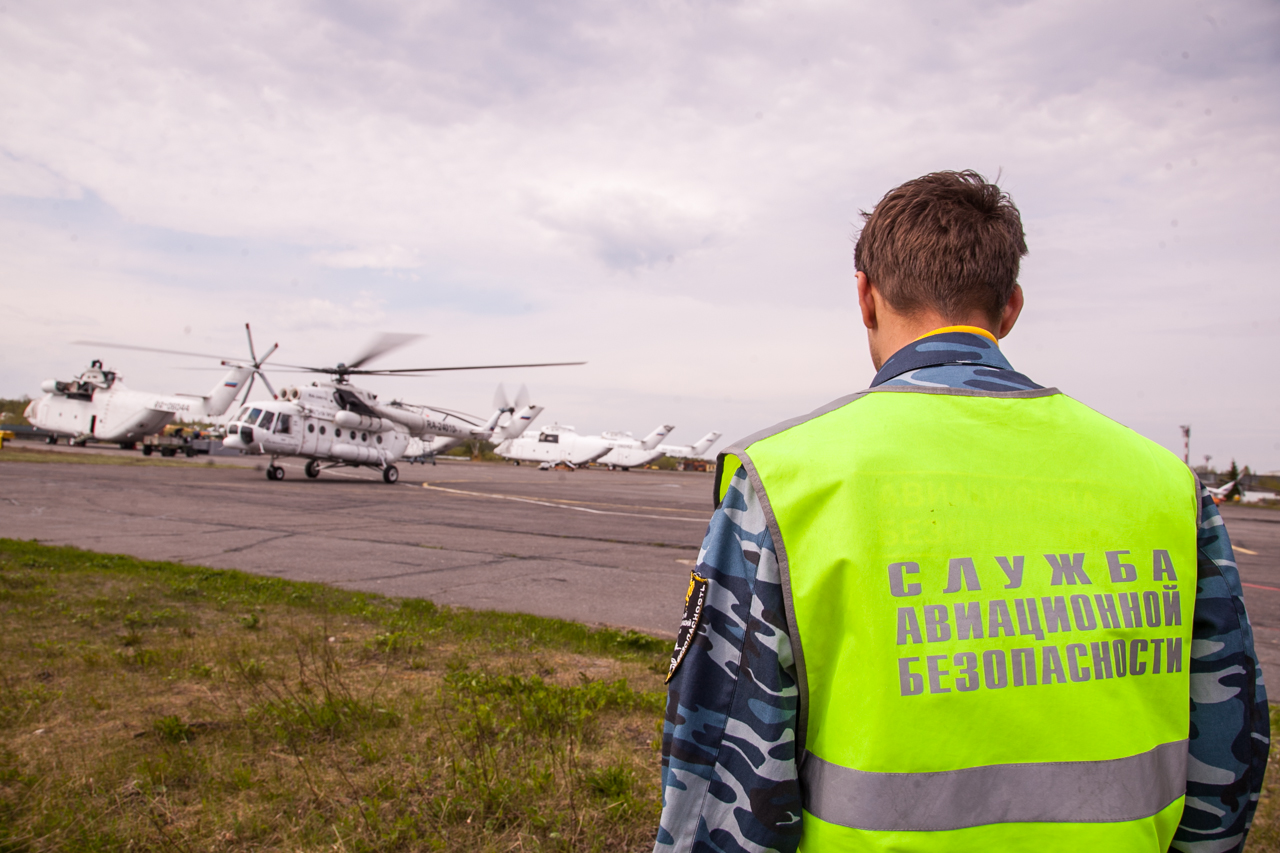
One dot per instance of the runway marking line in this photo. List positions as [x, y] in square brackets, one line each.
[556, 500]
[560, 505]
[1260, 586]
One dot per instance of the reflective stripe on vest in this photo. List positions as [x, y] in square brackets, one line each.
[1063, 792]
[990, 598]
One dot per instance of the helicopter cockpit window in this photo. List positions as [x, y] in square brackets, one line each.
[253, 417]
[549, 437]
[283, 423]
[240, 416]
[267, 418]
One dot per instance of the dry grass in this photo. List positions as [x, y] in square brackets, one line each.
[152, 706]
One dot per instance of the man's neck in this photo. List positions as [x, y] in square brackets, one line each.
[889, 337]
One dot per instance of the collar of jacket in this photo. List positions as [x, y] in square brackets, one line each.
[942, 347]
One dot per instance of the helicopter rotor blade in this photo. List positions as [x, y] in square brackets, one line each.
[263, 377]
[153, 349]
[259, 362]
[500, 398]
[462, 416]
[381, 345]
[408, 370]
[249, 333]
[248, 388]
[522, 398]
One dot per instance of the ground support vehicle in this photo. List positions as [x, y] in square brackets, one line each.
[188, 444]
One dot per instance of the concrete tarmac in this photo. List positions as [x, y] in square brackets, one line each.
[595, 546]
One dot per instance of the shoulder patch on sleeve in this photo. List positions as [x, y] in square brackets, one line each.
[693, 601]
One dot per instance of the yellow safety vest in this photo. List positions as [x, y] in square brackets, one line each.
[990, 598]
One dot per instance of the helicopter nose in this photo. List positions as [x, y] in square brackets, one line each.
[239, 441]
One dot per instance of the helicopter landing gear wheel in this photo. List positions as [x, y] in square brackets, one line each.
[146, 450]
[313, 468]
[390, 474]
[53, 439]
[275, 472]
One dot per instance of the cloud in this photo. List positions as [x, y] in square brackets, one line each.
[30, 180]
[485, 170]
[632, 229]
[372, 257]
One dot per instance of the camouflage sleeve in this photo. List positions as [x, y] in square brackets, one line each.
[1230, 731]
[729, 780]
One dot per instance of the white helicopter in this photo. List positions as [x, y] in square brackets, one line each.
[555, 444]
[628, 452]
[336, 424]
[97, 405]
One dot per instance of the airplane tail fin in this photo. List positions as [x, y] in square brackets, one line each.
[704, 443]
[217, 401]
[654, 438]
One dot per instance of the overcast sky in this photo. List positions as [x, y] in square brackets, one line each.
[669, 190]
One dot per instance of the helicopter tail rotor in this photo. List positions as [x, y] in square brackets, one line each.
[500, 403]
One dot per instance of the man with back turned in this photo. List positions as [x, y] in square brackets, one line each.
[959, 611]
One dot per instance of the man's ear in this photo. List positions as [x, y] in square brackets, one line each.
[866, 300]
[1012, 309]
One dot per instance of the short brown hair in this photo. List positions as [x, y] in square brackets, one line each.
[950, 241]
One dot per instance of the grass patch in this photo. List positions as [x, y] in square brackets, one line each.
[156, 706]
[14, 453]
[1265, 834]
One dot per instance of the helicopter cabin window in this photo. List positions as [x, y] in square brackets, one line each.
[311, 427]
[364, 436]
[550, 437]
[283, 423]
[379, 439]
[253, 417]
[353, 435]
[233, 429]
[322, 429]
[267, 418]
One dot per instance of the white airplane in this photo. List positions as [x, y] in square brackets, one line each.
[690, 451]
[335, 424]
[1219, 493]
[97, 405]
[626, 452]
